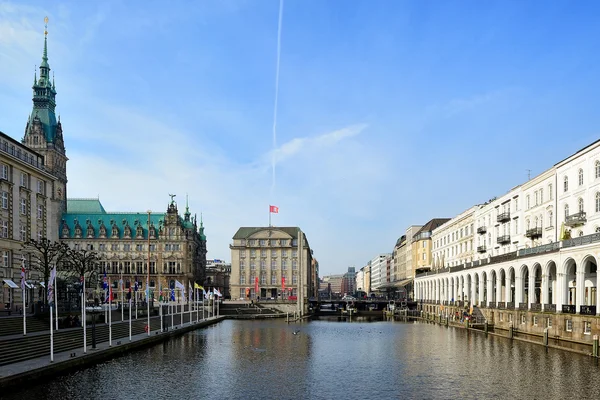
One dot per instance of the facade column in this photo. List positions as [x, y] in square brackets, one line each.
[561, 281]
[545, 292]
[498, 289]
[518, 290]
[490, 290]
[580, 291]
[482, 284]
[531, 293]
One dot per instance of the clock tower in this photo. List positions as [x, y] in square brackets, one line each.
[43, 132]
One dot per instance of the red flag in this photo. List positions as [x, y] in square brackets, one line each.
[274, 209]
[256, 285]
[283, 283]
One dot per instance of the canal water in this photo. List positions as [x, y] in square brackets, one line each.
[270, 359]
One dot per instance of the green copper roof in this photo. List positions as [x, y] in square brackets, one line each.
[84, 206]
[119, 220]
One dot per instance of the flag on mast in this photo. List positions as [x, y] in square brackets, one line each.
[274, 209]
[51, 284]
[23, 274]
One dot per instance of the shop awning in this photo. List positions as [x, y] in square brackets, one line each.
[10, 284]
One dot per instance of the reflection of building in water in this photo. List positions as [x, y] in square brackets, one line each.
[217, 275]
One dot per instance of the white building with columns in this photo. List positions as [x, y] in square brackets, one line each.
[531, 266]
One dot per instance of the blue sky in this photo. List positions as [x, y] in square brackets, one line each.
[390, 113]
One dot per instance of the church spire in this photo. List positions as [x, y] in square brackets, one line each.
[187, 209]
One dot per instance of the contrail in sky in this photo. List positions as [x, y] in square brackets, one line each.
[276, 97]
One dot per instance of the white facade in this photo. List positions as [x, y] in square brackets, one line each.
[453, 242]
[525, 267]
[360, 279]
[539, 209]
[578, 191]
[378, 270]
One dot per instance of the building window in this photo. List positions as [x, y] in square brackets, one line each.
[527, 205]
[40, 186]
[23, 207]
[597, 169]
[4, 199]
[263, 279]
[580, 176]
[424, 256]
[541, 195]
[252, 253]
[510, 318]
[580, 205]
[284, 253]
[535, 320]
[40, 212]
[536, 198]
[294, 253]
[23, 233]
[548, 322]
[6, 258]
[273, 264]
[569, 325]
[566, 211]
[102, 247]
[252, 266]
[242, 265]
[263, 264]
[242, 280]
[501, 317]
[139, 247]
[273, 279]
[550, 192]
[294, 264]
[565, 183]
[597, 201]
[242, 253]
[4, 171]
[263, 253]
[273, 253]
[273, 242]
[24, 180]
[252, 242]
[262, 242]
[587, 328]
[284, 264]
[550, 218]
[283, 242]
[523, 320]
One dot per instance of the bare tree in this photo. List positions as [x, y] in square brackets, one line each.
[82, 263]
[44, 255]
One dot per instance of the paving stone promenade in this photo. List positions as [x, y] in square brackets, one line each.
[26, 357]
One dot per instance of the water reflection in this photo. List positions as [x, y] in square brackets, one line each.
[326, 360]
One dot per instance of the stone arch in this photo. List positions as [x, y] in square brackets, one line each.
[569, 270]
[510, 286]
[492, 296]
[550, 284]
[484, 295]
[536, 292]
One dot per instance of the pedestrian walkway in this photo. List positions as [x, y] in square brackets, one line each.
[41, 367]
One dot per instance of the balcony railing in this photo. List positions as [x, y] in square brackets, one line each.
[576, 219]
[481, 249]
[534, 233]
[503, 239]
[481, 230]
[505, 216]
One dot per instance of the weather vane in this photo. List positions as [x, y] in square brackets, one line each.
[46, 26]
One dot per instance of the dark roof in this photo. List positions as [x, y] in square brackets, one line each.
[431, 225]
[246, 231]
[400, 240]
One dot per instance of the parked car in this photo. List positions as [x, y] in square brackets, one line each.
[348, 298]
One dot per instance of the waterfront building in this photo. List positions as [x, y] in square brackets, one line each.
[334, 284]
[360, 280]
[379, 265]
[134, 245]
[349, 281]
[271, 262]
[406, 269]
[367, 281]
[554, 270]
[421, 246]
[453, 241]
[399, 259]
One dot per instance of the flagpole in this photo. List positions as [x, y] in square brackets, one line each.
[160, 310]
[109, 314]
[130, 315]
[148, 277]
[24, 315]
[51, 337]
[171, 304]
[181, 294]
[269, 216]
[83, 314]
[122, 298]
[55, 301]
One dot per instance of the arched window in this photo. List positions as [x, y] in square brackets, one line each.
[597, 169]
[580, 205]
[597, 201]
[527, 224]
[580, 175]
[550, 218]
[566, 211]
[566, 183]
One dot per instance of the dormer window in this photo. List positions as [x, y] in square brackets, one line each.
[90, 231]
[102, 231]
[115, 232]
[127, 231]
[152, 232]
[65, 230]
[139, 232]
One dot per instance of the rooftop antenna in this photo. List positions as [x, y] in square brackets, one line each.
[528, 174]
